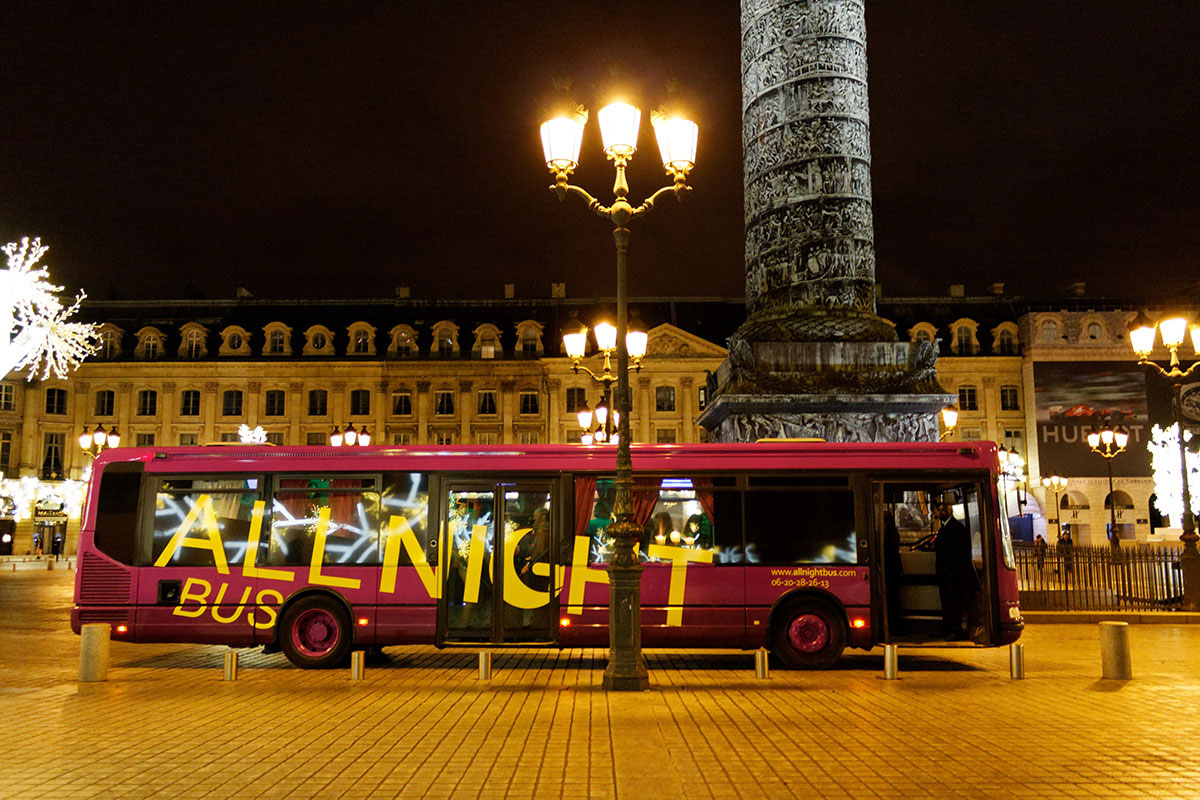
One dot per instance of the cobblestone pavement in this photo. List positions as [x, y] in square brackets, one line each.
[422, 725]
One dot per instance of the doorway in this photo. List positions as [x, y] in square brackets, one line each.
[498, 537]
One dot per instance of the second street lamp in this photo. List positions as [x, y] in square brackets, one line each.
[1109, 443]
[93, 443]
[1057, 485]
[562, 137]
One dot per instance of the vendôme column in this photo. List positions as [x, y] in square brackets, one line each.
[812, 359]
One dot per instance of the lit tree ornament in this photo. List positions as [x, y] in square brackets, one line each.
[1168, 484]
[249, 435]
[34, 332]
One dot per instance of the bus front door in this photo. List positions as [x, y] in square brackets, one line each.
[498, 573]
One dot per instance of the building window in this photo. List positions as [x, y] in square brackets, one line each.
[402, 404]
[1014, 438]
[487, 347]
[968, 400]
[6, 439]
[235, 341]
[1094, 331]
[664, 436]
[360, 402]
[404, 349]
[487, 403]
[189, 403]
[576, 399]
[528, 402]
[1050, 332]
[193, 347]
[276, 341]
[362, 341]
[529, 344]
[52, 455]
[702, 397]
[664, 398]
[316, 439]
[230, 437]
[443, 437]
[443, 402]
[274, 407]
[147, 404]
[56, 401]
[486, 437]
[922, 335]
[445, 345]
[188, 439]
[1010, 398]
[574, 436]
[106, 400]
[401, 438]
[231, 403]
[151, 347]
[1006, 344]
[144, 439]
[318, 403]
[964, 344]
[529, 437]
[7, 397]
[275, 438]
[971, 434]
[319, 341]
[110, 346]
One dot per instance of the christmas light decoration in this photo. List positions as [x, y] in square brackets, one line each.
[1168, 484]
[249, 435]
[34, 332]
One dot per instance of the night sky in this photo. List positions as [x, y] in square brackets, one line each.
[180, 149]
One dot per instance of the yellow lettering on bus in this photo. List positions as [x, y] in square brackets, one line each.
[186, 594]
[212, 536]
[249, 570]
[679, 558]
[269, 610]
[475, 564]
[516, 592]
[400, 533]
[216, 614]
[314, 569]
[581, 575]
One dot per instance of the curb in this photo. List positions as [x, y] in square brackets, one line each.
[1092, 617]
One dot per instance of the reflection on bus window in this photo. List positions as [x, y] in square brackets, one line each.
[201, 504]
[678, 512]
[801, 525]
[406, 495]
[348, 510]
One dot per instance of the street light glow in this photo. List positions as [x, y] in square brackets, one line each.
[619, 123]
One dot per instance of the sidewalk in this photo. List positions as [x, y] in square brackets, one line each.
[421, 725]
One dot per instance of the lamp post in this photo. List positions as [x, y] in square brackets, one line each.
[93, 443]
[575, 342]
[1057, 485]
[562, 137]
[349, 437]
[1141, 336]
[949, 421]
[1012, 470]
[1109, 443]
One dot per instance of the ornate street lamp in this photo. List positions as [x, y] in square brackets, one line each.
[1012, 473]
[93, 443]
[562, 137]
[350, 437]
[1057, 485]
[1141, 338]
[949, 421]
[575, 343]
[1109, 443]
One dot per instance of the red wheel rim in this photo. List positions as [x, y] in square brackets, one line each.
[316, 632]
[808, 633]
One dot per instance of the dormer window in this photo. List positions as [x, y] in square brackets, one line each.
[402, 342]
[275, 342]
[963, 342]
[319, 341]
[235, 341]
[110, 343]
[278, 339]
[150, 343]
[1050, 333]
[1006, 343]
[487, 342]
[362, 341]
[1094, 331]
[529, 338]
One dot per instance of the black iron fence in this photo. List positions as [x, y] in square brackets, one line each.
[1097, 578]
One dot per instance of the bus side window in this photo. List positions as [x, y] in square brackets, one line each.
[351, 508]
[801, 526]
[200, 503]
[114, 533]
[406, 494]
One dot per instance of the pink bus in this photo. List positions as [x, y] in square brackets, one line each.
[804, 548]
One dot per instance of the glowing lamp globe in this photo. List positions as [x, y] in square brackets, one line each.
[335, 438]
[619, 123]
[950, 417]
[562, 138]
[1106, 435]
[1141, 335]
[114, 438]
[350, 436]
[1173, 330]
[1195, 331]
[1093, 439]
[99, 437]
[601, 412]
[1122, 438]
[85, 440]
[677, 138]
[606, 336]
[364, 438]
[635, 343]
[575, 339]
[585, 418]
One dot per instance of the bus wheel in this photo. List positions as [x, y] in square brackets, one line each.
[315, 633]
[809, 634]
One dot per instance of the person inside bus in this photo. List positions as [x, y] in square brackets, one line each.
[600, 541]
[957, 581]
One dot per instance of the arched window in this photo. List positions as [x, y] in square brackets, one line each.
[1050, 333]
[319, 341]
[276, 341]
[235, 341]
[110, 343]
[362, 341]
[1094, 331]
[193, 345]
[964, 341]
[922, 335]
[1006, 343]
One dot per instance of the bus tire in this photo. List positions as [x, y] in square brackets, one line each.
[315, 633]
[809, 633]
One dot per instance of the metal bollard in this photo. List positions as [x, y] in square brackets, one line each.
[485, 665]
[891, 662]
[357, 662]
[1115, 662]
[93, 652]
[761, 670]
[231, 665]
[1016, 661]
[50, 565]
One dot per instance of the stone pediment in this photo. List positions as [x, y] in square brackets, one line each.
[668, 341]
